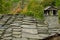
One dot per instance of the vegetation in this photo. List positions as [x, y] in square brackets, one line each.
[47, 3]
[33, 7]
[5, 6]
[58, 6]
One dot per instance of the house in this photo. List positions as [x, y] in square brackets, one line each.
[50, 10]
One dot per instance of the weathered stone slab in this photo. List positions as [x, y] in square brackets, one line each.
[2, 22]
[51, 34]
[32, 31]
[28, 26]
[17, 36]
[27, 18]
[7, 35]
[26, 35]
[1, 32]
[8, 32]
[53, 31]
[9, 21]
[18, 22]
[43, 35]
[15, 27]
[16, 33]
[33, 39]
[4, 19]
[7, 38]
[16, 30]
[28, 23]
[5, 26]
[43, 32]
[9, 29]
[42, 25]
[19, 39]
[15, 24]
[1, 29]
[46, 28]
[40, 36]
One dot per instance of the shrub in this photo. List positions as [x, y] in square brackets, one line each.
[59, 15]
[35, 9]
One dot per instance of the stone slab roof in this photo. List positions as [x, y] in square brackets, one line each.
[50, 8]
[20, 27]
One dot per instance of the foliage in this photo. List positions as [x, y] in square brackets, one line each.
[6, 5]
[58, 6]
[34, 9]
[57, 3]
[59, 15]
[15, 1]
[0, 6]
[51, 2]
[48, 2]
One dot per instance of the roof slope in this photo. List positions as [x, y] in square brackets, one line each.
[16, 27]
[50, 8]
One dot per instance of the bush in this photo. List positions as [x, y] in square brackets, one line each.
[59, 15]
[34, 9]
